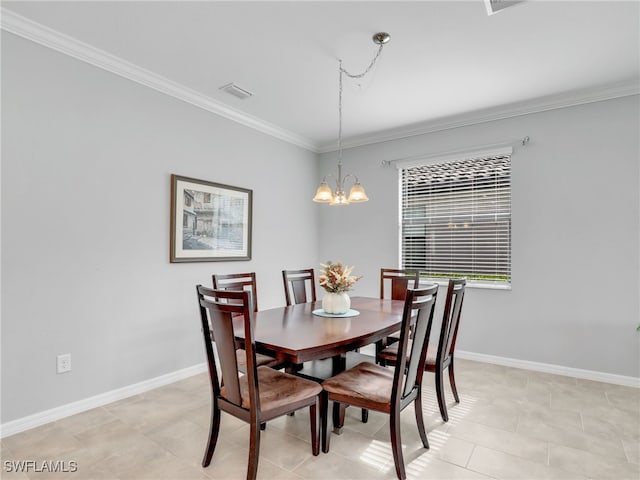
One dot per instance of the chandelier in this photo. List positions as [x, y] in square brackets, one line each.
[325, 194]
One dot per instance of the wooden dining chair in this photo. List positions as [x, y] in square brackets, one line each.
[437, 360]
[260, 395]
[299, 286]
[204, 293]
[378, 388]
[397, 281]
[237, 282]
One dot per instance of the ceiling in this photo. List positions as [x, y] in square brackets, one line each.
[448, 62]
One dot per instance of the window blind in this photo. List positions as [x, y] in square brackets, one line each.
[456, 219]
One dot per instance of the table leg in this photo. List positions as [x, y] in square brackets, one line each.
[338, 364]
[380, 345]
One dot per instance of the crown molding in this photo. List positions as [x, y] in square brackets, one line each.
[541, 104]
[48, 37]
[38, 33]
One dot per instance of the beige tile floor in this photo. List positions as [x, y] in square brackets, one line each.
[510, 423]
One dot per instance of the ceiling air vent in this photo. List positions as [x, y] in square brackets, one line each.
[236, 91]
[494, 6]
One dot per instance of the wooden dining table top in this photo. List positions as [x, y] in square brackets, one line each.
[294, 334]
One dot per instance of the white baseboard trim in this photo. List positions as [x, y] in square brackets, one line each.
[35, 420]
[41, 418]
[550, 368]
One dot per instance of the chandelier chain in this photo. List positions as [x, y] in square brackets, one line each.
[344, 71]
[360, 75]
[341, 70]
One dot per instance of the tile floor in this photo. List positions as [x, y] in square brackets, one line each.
[510, 423]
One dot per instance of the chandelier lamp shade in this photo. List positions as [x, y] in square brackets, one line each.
[357, 194]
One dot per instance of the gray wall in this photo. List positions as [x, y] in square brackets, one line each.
[575, 235]
[86, 164]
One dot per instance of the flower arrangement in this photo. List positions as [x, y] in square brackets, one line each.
[336, 278]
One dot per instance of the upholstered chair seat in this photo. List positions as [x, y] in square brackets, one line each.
[261, 360]
[367, 381]
[277, 389]
[390, 354]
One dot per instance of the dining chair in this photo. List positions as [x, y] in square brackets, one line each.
[397, 281]
[204, 293]
[299, 285]
[386, 390]
[443, 357]
[263, 393]
[237, 282]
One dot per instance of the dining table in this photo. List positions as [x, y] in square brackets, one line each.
[294, 334]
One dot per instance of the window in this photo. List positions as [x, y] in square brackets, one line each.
[456, 219]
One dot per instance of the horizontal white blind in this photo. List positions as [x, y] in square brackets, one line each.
[456, 219]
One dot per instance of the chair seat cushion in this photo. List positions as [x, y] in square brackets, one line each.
[391, 353]
[277, 389]
[366, 383]
[266, 360]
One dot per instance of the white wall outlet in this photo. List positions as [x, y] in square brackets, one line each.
[64, 363]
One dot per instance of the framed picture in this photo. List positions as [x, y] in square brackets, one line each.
[210, 222]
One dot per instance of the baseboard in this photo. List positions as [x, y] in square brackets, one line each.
[41, 418]
[550, 368]
[32, 421]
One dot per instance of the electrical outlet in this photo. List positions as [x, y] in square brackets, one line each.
[64, 363]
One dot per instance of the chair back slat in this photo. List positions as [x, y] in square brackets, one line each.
[222, 325]
[221, 306]
[451, 318]
[298, 284]
[237, 282]
[417, 320]
[400, 280]
[207, 334]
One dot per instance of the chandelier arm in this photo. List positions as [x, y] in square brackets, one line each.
[339, 181]
[349, 175]
[326, 177]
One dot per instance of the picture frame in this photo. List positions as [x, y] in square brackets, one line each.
[210, 222]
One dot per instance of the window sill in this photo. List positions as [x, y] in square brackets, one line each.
[470, 284]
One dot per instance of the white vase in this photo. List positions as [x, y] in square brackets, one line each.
[336, 303]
